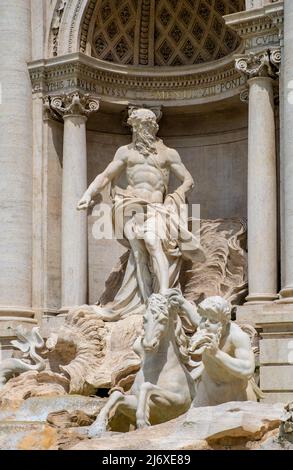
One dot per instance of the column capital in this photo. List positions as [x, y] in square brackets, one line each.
[259, 64]
[70, 104]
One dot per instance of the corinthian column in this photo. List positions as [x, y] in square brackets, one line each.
[286, 294]
[74, 109]
[261, 69]
[16, 161]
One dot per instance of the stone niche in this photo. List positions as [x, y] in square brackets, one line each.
[212, 144]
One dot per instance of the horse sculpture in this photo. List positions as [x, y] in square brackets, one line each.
[163, 388]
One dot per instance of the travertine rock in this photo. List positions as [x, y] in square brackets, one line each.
[33, 384]
[233, 425]
[23, 425]
[286, 428]
[65, 419]
[37, 409]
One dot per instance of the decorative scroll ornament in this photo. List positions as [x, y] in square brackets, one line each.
[262, 64]
[276, 57]
[70, 104]
[244, 95]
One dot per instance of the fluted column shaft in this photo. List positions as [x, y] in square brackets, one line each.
[74, 108]
[286, 294]
[74, 224]
[261, 69]
[262, 192]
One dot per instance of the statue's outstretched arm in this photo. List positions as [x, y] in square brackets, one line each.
[181, 172]
[100, 182]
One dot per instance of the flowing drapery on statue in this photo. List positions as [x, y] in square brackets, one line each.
[167, 217]
[150, 222]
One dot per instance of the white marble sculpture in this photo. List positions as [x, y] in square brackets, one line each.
[155, 260]
[163, 388]
[212, 366]
[227, 357]
[27, 342]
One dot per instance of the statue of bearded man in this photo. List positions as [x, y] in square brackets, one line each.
[149, 219]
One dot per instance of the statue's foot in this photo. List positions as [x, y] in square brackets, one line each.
[96, 429]
[142, 424]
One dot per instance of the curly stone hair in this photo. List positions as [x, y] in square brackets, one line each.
[218, 306]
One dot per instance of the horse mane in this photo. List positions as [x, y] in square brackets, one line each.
[161, 303]
[182, 340]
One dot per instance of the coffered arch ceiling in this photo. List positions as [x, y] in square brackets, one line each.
[161, 32]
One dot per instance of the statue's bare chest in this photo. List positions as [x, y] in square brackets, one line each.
[136, 160]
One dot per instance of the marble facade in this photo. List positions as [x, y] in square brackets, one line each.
[229, 116]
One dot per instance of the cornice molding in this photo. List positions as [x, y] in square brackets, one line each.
[259, 28]
[116, 83]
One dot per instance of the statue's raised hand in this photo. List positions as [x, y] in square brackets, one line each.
[175, 297]
[84, 203]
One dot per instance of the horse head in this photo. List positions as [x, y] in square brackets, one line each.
[156, 320]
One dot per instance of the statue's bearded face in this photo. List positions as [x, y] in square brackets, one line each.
[145, 128]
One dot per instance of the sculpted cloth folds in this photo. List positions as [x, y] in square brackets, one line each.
[168, 222]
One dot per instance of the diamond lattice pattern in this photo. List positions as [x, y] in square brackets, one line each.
[193, 31]
[113, 39]
[185, 31]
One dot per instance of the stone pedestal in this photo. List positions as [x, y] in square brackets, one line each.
[276, 352]
[274, 323]
[74, 108]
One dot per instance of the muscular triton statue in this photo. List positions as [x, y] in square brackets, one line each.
[150, 216]
[227, 356]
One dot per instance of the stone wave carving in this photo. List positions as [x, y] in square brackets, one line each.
[224, 272]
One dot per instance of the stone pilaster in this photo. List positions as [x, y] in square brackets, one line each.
[261, 70]
[16, 165]
[74, 108]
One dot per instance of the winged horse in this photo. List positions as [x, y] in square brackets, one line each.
[163, 388]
